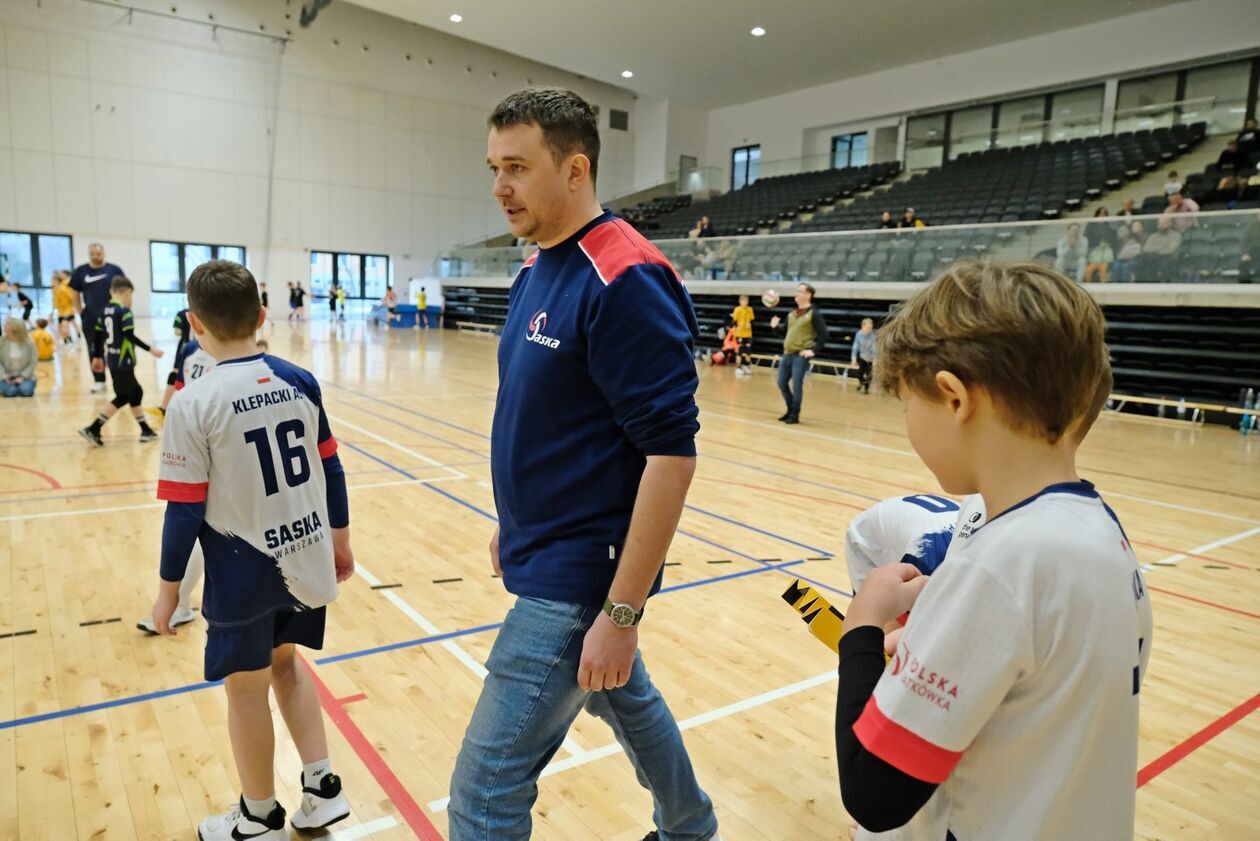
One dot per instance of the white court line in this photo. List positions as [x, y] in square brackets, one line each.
[1174, 506]
[686, 724]
[397, 446]
[450, 645]
[366, 829]
[78, 511]
[1206, 547]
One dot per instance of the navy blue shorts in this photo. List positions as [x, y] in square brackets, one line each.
[247, 648]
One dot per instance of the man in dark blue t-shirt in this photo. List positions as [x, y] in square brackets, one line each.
[595, 422]
[90, 283]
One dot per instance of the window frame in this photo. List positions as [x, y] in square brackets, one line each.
[183, 268]
[849, 139]
[362, 279]
[747, 166]
[37, 269]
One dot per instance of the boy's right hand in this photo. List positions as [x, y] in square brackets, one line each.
[888, 592]
[774, 322]
[164, 607]
[158, 353]
[98, 365]
[343, 555]
[494, 554]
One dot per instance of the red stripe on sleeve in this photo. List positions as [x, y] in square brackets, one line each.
[328, 449]
[903, 749]
[179, 384]
[182, 491]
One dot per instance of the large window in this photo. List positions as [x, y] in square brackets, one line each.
[1021, 122]
[1217, 95]
[1076, 113]
[170, 263]
[361, 275]
[745, 166]
[1146, 103]
[970, 130]
[925, 141]
[30, 259]
[849, 150]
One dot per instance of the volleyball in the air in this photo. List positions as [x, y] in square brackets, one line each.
[770, 298]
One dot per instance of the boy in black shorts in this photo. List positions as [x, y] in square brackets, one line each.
[116, 332]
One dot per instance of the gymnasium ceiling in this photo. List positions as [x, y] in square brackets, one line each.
[701, 52]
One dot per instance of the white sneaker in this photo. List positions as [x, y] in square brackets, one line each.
[180, 617]
[239, 825]
[97, 388]
[322, 806]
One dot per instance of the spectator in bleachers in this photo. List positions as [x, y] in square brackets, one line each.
[1127, 209]
[1097, 232]
[706, 228]
[1173, 184]
[886, 221]
[1071, 252]
[720, 258]
[1234, 167]
[1098, 264]
[1159, 250]
[1248, 141]
[1138, 230]
[1248, 268]
[910, 220]
[1184, 208]
[1127, 256]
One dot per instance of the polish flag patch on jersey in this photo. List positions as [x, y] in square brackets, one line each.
[262, 380]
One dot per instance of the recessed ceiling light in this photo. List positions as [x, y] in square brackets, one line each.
[456, 18]
[627, 74]
[758, 31]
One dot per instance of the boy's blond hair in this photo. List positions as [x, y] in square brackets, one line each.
[1027, 335]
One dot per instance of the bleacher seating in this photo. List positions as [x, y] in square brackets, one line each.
[765, 202]
[1202, 354]
[1018, 184]
[643, 215]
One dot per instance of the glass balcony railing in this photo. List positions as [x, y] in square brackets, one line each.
[1216, 247]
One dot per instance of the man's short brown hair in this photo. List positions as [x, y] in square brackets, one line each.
[1024, 333]
[568, 123]
[224, 295]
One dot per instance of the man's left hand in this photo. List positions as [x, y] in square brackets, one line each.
[607, 655]
[807, 354]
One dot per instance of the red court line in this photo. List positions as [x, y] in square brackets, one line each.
[1198, 740]
[50, 480]
[1203, 602]
[1191, 554]
[708, 439]
[350, 699]
[373, 761]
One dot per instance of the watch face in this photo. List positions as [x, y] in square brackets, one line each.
[622, 616]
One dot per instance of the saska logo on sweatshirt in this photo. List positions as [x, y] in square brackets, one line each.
[537, 324]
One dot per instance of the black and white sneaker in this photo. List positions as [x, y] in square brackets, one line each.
[92, 436]
[148, 435]
[321, 806]
[240, 825]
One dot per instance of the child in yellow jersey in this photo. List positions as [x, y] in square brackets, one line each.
[742, 316]
[63, 303]
[44, 343]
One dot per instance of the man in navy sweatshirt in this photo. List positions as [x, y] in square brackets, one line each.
[90, 283]
[592, 453]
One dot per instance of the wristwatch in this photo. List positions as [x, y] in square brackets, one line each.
[622, 615]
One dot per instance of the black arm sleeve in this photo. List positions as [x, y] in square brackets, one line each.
[139, 342]
[877, 795]
[820, 340]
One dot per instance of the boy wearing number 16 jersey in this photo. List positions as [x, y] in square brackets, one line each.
[250, 470]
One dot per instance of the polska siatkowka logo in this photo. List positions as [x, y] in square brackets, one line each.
[537, 324]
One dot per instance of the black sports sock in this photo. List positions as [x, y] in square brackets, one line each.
[100, 422]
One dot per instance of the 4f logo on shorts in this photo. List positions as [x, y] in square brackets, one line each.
[537, 324]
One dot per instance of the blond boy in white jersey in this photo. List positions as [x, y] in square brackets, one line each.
[1010, 707]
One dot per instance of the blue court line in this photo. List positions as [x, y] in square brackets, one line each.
[743, 525]
[433, 488]
[384, 402]
[793, 477]
[105, 705]
[395, 646]
[410, 428]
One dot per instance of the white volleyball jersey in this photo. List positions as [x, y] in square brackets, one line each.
[913, 529]
[1015, 685]
[249, 438]
[192, 363]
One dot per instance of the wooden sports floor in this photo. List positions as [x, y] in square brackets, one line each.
[109, 734]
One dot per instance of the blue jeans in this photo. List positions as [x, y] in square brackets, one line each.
[793, 368]
[23, 388]
[527, 705]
